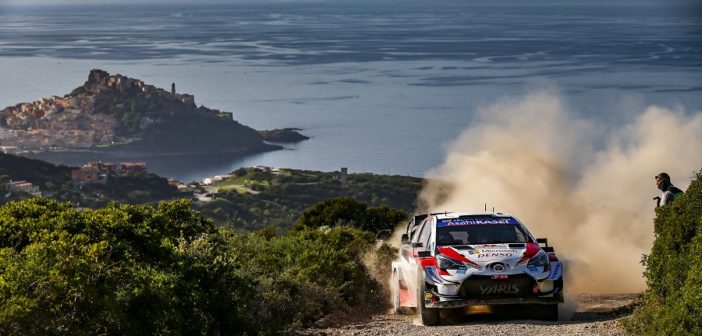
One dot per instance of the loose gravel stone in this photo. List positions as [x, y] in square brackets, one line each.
[594, 315]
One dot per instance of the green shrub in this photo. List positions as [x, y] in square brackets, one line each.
[301, 276]
[346, 210]
[672, 305]
[331, 212]
[119, 270]
[166, 270]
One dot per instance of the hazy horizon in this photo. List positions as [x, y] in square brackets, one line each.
[438, 3]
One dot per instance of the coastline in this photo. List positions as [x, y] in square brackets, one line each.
[183, 166]
[50, 154]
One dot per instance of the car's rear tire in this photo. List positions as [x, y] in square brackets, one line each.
[429, 316]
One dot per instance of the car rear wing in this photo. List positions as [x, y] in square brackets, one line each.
[411, 226]
[545, 246]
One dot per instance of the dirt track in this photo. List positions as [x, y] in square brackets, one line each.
[593, 315]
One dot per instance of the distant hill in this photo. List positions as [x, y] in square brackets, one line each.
[37, 171]
[55, 182]
[249, 199]
[111, 113]
[278, 198]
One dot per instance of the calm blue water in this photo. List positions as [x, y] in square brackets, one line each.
[380, 88]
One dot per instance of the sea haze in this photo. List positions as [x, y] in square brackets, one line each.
[379, 87]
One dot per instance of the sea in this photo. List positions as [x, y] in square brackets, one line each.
[382, 87]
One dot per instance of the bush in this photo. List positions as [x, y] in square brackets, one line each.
[166, 270]
[120, 270]
[301, 276]
[331, 212]
[672, 305]
[346, 210]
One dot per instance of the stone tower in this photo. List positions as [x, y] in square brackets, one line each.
[173, 88]
[344, 174]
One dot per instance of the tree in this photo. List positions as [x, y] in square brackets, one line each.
[383, 220]
[349, 211]
[332, 211]
[119, 270]
[143, 270]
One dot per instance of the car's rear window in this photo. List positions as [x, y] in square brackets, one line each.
[479, 231]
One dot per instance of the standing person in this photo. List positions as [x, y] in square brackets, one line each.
[670, 192]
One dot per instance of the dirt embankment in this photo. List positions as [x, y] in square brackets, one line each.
[589, 315]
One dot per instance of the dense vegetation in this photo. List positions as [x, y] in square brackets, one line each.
[278, 199]
[128, 188]
[672, 305]
[36, 171]
[281, 198]
[166, 270]
[379, 220]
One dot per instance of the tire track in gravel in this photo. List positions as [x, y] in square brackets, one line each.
[593, 315]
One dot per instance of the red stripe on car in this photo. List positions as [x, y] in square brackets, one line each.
[454, 254]
[531, 250]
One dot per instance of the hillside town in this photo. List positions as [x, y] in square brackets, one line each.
[74, 121]
[91, 172]
[21, 186]
[55, 123]
[100, 172]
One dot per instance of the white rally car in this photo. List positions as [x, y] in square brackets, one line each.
[460, 259]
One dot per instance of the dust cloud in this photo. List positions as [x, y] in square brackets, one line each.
[586, 187]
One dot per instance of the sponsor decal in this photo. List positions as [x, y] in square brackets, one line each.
[475, 221]
[533, 269]
[461, 271]
[499, 276]
[431, 271]
[495, 255]
[499, 289]
[555, 271]
[499, 250]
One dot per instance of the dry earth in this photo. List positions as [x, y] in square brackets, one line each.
[588, 315]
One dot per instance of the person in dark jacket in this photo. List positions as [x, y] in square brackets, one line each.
[669, 191]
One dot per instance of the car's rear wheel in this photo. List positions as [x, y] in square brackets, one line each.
[429, 316]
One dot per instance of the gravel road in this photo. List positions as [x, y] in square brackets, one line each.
[592, 315]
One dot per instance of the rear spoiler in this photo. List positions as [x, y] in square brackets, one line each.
[419, 218]
[415, 220]
[545, 246]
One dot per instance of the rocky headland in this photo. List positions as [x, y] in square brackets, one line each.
[118, 114]
[283, 135]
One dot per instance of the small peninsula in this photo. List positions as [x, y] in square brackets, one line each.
[283, 135]
[118, 114]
